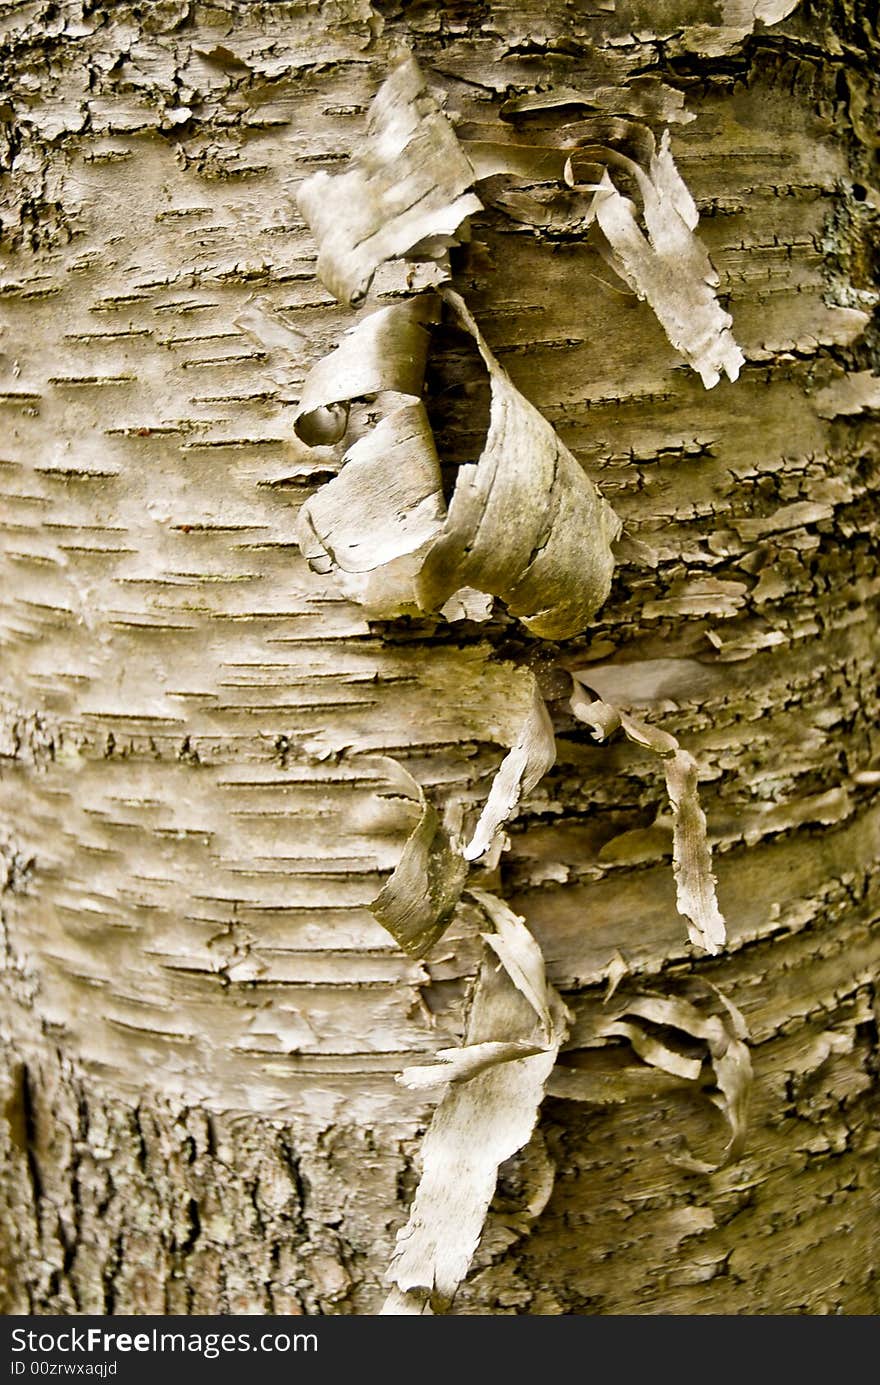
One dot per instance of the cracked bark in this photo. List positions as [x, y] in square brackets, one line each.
[201, 1019]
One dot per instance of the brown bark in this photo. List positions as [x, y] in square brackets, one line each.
[201, 1019]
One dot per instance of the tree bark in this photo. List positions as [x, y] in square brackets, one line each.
[201, 1019]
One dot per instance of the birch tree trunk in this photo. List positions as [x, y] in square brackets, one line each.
[201, 1020]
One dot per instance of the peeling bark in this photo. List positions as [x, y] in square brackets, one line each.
[202, 1020]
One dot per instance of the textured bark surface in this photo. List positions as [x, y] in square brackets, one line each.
[201, 1019]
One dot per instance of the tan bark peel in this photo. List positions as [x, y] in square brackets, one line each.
[691, 855]
[409, 184]
[669, 266]
[725, 1037]
[850, 396]
[414, 1305]
[419, 899]
[460, 1064]
[524, 522]
[738, 19]
[521, 958]
[417, 903]
[533, 753]
[642, 96]
[488, 1111]
[535, 162]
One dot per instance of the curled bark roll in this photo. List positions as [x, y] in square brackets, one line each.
[419, 899]
[371, 524]
[524, 522]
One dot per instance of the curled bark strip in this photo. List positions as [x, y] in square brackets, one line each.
[652, 738]
[654, 1051]
[614, 140]
[725, 1036]
[642, 96]
[520, 956]
[602, 719]
[385, 505]
[418, 900]
[669, 266]
[487, 1113]
[408, 183]
[533, 753]
[524, 523]
[536, 162]
[691, 856]
[385, 352]
[459, 1064]
[370, 524]
[732, 1065]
